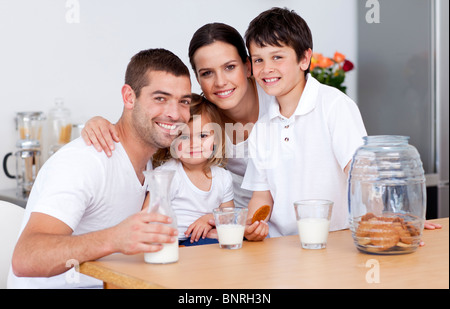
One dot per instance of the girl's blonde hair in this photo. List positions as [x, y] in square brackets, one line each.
[201, 106]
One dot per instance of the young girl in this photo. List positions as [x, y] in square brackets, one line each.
[200, 183]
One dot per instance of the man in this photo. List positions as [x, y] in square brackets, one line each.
[84, 205]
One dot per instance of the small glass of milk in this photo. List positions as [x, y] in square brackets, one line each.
[313, 221]
[230, 225]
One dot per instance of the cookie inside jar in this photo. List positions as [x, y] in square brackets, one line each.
[388, 233]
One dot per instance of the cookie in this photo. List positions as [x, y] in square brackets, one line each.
[414, 231]
[364, 229]
[405, 236]
[261, 213]
[384, 236]
[368, 216]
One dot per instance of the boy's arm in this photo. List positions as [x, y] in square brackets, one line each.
[260, 229]
[347, 168]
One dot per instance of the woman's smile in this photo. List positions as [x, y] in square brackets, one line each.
[225, 93]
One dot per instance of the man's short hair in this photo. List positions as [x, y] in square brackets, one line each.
[157, 59]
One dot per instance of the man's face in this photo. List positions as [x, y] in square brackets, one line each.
[161, 108]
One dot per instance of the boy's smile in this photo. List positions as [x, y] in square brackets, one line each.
[271, 81]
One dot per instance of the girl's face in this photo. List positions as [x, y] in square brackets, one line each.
[221, 74]
[196, 143]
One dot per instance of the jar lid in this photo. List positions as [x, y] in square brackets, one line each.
[31, 116]
[28, 144]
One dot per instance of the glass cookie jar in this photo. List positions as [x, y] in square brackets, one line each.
[387, 196]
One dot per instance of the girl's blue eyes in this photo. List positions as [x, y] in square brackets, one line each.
[187, 137]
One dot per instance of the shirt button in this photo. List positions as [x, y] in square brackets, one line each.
[286, 139]
[286, 127]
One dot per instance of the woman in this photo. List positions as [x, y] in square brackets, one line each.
[222, 67]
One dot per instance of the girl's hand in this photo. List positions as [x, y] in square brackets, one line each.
[199, 228]
[429, 226]
[101, 133]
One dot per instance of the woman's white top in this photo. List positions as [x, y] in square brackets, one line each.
[238, 154]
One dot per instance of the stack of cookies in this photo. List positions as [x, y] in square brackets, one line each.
[386, 234]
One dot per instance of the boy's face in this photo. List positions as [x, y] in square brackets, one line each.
[277, 70]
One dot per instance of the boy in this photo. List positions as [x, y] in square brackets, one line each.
[302, 147]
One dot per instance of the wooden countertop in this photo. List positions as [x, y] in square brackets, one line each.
[279, 263]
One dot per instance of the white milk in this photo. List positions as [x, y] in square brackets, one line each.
[168, 254]
[230, 234]
[313, 230]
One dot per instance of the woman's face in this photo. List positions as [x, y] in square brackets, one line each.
[221, 74]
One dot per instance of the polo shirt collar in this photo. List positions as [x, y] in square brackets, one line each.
[307, 101]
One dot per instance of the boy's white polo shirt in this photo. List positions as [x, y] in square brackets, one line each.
[303, 157]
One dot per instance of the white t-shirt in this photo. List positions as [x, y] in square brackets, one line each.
[189, 202]
[303, 157]
[238, 154]
[87, 191]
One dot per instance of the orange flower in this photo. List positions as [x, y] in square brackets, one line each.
[316, 56]
[314, 60]
[325, 62]
[338, 57]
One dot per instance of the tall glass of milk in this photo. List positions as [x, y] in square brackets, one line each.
[230, 225]
[313, 221]
[158, 182]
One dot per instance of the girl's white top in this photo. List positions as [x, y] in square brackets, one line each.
[189, 202]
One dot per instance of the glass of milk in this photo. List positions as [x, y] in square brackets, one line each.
[230, 225]
[313, 221]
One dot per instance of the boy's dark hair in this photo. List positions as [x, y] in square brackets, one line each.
[157, 59]
[213, 32]
[280, 26]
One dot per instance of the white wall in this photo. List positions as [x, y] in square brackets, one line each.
[43, 56]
